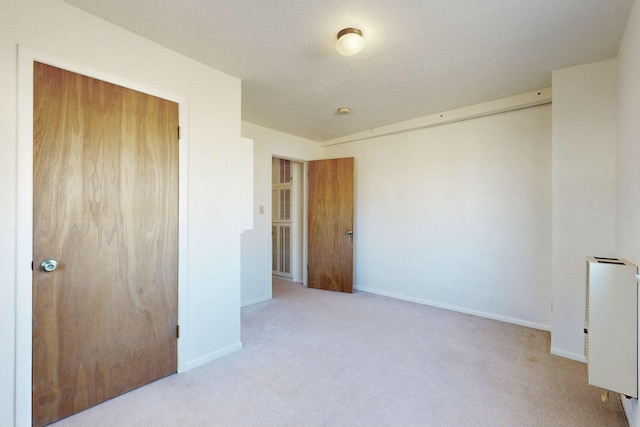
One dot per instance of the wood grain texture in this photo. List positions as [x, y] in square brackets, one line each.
[106, 207]
[331, 203]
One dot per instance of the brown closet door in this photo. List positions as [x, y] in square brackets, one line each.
[106, 209]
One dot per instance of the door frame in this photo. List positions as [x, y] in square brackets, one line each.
[269, 208]
[24, 225]
[298, 210]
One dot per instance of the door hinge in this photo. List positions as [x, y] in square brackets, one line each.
[31, 265]
[178, 132]
[177, 331]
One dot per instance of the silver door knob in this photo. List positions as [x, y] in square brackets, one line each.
[349, 232]
[48, 265]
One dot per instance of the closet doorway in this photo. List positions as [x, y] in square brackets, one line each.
[287, 219]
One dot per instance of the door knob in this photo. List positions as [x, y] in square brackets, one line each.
[48, 265]
[349, 232]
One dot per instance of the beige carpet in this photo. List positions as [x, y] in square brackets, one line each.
[320, 358]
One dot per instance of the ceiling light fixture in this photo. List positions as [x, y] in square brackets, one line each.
[349, 41]
[344, 110]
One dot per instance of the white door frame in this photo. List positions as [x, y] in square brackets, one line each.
[303, 200]
[24, 226]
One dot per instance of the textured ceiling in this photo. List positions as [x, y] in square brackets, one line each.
[420, 57]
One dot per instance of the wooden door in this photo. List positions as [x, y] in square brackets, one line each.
[331, 196]
[106, 208]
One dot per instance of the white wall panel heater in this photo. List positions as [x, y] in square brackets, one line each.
[611, 325]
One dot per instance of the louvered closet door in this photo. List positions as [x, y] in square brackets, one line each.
[281, 218]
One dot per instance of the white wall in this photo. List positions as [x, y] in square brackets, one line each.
[584, 138]
[210, 310]
[458, 215]
[628, 150]
[256, 243]
[628, 157]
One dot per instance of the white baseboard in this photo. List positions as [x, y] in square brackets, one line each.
[513, 320]
[255, 301]
[628, 405]
[569, 354]
[213, 355]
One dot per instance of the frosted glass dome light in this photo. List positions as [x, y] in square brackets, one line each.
[349, 41]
